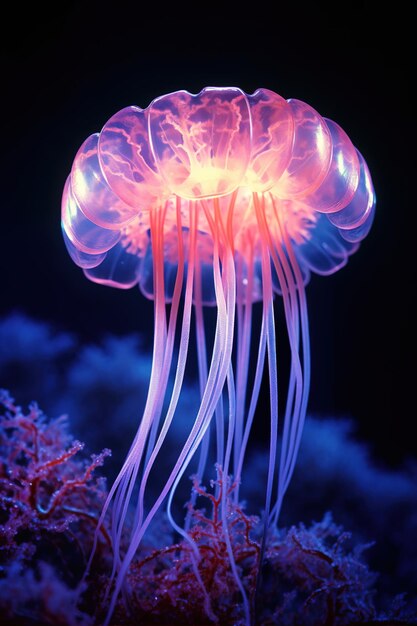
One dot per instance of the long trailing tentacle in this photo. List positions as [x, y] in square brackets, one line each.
[296, 385]
[292, 286]
[293, 408]
[268, 316]
[300, 290]
[226, 281]
[182, 359]
[260, 364]
[244, 322]
[202, 376]
[124, 483]
[157, 389]
[216, 380]
[170, 337]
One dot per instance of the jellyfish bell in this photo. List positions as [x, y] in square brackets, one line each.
[218, 199]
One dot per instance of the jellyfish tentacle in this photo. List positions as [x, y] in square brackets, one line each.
[293, 408]
[232, 402]
[291, 315]
[225, 233]
[292, 286]
[179, 377]
[292, 416]
[166, 368]
[222, 487]
[123, 485]
[225, 492]
[180, 371]
[297, 422]
[219, 417]
[133, 460]
[202, 369]
[268, 315]
[305, 335]
[232, 418]
[260, 364]
[216, 379]
[244, 323]
[214, 224]
[167, 357]
[167, 362]
[202, 378]
[152, 402]
[212, 396]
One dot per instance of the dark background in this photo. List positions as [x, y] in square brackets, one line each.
[71, 71]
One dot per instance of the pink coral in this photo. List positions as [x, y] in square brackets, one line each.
[163, 582]
[49, 505]
[43, 487]
[310, 575]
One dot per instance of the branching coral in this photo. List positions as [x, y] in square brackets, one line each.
[49, 502]
[318, 577]
[337, 471]
[164, 584]
[311, 575]
[43, 485]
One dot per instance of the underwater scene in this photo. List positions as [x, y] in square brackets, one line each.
[206, 396]
[340, 563]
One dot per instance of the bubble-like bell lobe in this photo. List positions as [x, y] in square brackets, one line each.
[119, 269]
[360, 232]
[127, 159]
[272, 139]
[94, 197]
[310, 155]
[202, 143]
[82, 259]
[342, 178]
[359, 209]
[326, 251]
[82, 232]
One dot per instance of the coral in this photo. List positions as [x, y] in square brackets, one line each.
[164, 585]
[38, 597]
[311, 575]
[336, 471]
[43, 486]
[49, 504]
[315, 577]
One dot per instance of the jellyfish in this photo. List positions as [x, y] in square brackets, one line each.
[221, 200]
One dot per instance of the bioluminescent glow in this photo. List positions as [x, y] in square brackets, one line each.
[219, 199]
